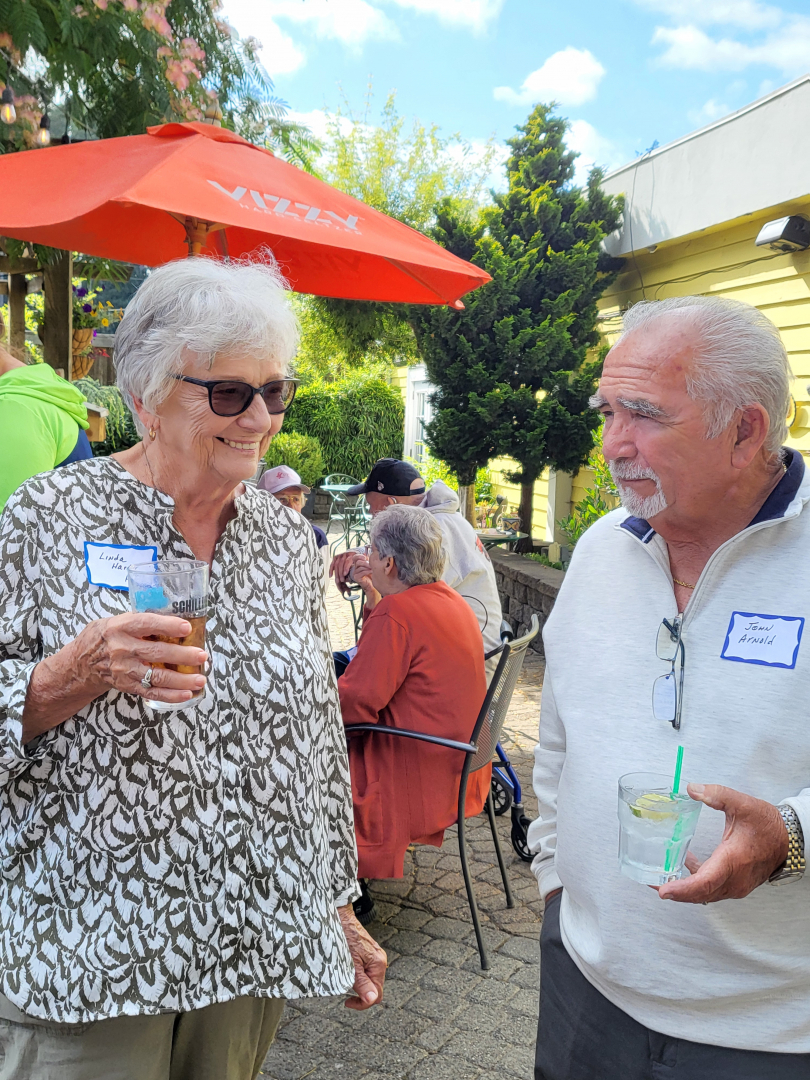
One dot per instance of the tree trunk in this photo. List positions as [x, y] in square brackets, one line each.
[466, 498]
[58, 344]
[16, 315]
[526, 510]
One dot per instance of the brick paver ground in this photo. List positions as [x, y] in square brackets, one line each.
[442, 1018]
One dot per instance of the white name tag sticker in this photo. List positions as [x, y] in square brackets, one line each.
[770, 640]
[107, 564]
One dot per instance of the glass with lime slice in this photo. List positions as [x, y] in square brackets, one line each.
[655, 827]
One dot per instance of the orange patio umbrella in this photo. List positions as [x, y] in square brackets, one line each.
[192, 188]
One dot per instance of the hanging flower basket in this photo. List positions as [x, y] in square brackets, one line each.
[81, 345]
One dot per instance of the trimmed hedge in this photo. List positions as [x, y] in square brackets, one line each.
[356, 420]
[299, 452]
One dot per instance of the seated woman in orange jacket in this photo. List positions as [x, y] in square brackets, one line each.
[419, 665]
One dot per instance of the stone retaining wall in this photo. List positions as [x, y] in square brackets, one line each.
[526, 588]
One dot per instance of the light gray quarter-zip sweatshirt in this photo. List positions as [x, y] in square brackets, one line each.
[734, 973]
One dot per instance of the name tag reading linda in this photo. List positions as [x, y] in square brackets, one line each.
[107, 564]
[770, 640]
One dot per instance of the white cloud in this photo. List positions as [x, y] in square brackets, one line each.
[318, 122]
[279, 53]
[744, 13]
[569, 77]
[475, 15]
[712, 110]
[593, 149]
[786, 49]
[351, 22]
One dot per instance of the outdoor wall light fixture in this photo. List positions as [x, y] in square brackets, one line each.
[785, 234]
[8, 114]
[43, 137]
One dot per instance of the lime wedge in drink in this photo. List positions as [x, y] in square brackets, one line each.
[652, 806]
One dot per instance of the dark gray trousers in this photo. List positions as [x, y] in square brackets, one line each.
[583, 1036]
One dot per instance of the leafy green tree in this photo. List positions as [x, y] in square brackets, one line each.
[402, 169]
[113, 67]
[511, 369]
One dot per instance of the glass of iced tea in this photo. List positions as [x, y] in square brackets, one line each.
[173, 587]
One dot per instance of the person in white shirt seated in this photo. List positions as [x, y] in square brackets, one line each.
[709, 976]
[468, 569]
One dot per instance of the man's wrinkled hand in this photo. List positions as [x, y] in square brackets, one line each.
[369, 959]
[754, 844]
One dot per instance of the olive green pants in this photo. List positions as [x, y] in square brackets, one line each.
[220, 1042]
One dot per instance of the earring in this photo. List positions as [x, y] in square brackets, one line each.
[152, 434]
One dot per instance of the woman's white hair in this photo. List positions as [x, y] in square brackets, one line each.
[412, 537]
[196, 310]
[740, 360]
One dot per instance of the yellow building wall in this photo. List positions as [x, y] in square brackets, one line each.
[512, 493]
[725, 262]
[398, 377]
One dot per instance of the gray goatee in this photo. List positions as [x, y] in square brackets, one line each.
[621, 469]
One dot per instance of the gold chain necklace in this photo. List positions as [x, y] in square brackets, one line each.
[149, 467]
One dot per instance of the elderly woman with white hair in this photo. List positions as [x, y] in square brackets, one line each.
[170, 877]
[419, 665]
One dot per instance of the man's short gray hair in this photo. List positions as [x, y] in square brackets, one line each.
[414, 540]
[196, 310]
[741, 359]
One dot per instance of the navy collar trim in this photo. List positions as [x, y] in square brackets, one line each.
[774, 507]
[641, 529]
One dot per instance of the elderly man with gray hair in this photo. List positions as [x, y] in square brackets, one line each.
[419, 666]
[694, 587]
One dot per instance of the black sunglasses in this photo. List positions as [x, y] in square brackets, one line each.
[228, 397]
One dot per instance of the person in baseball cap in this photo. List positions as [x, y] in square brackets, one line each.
[286, 485]
[390, 476]
[468, 569]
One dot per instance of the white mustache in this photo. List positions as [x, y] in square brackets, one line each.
[620, 469]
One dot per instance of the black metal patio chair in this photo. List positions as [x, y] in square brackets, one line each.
[479, 752]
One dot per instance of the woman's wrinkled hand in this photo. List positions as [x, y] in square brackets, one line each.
[372, 597]
[117, 652]
[112, 654]
[369, 959]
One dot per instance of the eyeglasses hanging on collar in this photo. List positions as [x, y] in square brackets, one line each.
[667, 697]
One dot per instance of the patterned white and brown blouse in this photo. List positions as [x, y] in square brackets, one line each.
[165, 861]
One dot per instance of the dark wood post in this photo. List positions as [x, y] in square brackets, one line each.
[58, 341]
[16, 315]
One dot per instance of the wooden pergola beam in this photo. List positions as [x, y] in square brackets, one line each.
[18, 266]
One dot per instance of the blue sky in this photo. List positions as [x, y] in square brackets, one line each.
[626, 72]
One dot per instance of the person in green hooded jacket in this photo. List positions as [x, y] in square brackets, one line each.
[43, 422]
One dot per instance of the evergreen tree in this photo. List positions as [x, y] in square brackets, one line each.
[510, 370]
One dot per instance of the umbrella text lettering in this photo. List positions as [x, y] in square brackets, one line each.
[283, 206]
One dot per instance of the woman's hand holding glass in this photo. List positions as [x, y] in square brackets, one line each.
[112, 654]
[119, 651]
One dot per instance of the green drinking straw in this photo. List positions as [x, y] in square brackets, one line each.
[676, 782]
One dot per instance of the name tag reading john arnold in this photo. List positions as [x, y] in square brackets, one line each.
[770, 640]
